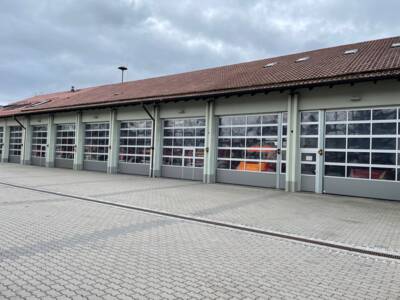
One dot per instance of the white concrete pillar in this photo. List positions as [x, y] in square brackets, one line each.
[79, 142]
[210, 156]
[113, 144]
[293, 179]
[26, 152]
[51, 142]
[6, 143]
[157, 143]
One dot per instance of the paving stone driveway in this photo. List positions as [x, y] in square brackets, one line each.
[367, 223]
[58, 247]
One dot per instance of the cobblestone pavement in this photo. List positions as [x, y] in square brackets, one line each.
[59, 248]
[368, 223]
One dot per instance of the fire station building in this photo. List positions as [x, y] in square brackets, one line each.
[323, 121]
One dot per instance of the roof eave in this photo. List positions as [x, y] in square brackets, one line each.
[285, 86]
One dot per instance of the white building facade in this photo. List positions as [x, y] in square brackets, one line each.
[341, 138]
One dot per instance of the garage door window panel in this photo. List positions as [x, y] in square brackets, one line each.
[335, 157]
[359, 129]
[336, 171]
[96, 141]
[336, 116]
[65, 141]
[383, 159]
[383, 174]
[359, 115]
[384, 143]
[358, 172]
[336, 129]
[307, 169]
[359, 143]
[358, 157]
[384, 114]
[223, 164]
[253, 142]
[224, 143]
[371, 143]
[184, 141]
[15, 143]
[384, 128]
[335, 143]
[39, 141]
[310, 117]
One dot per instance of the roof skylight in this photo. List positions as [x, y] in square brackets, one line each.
[303, 59]
[271, 64]
[396, 45]
[39, 103]
[351, 51]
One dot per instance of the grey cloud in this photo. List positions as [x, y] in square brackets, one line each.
[50, 45]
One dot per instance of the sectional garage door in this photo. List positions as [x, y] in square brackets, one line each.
[39, 145]
[183, 148]
[15, 144]
[362, 153]
[252, 150]
[96, 146]
[65, 146]
[135, 147]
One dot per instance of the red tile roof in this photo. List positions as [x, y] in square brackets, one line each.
[374, 60]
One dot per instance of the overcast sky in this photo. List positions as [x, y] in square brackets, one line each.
[49, 45]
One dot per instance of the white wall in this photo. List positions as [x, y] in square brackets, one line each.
[39, 119]
[94, 116]
[65, 118]
[11, 121]
[383, 93]
[183, 109]
[260, 103]
[132, 113]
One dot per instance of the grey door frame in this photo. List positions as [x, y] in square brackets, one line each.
[279, 152]
[320, 161]
[279, 179]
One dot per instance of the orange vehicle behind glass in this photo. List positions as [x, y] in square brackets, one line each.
[267, 153]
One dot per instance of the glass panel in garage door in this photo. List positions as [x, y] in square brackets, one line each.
[283, 144]
[362, 144]
[15, 145]
[1, 141]
[96, 141]
[183, 142]
[252, 143]
[65, 141]
[135, 142]
[39, 142]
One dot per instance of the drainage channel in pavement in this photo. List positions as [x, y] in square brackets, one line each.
[338, 246]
